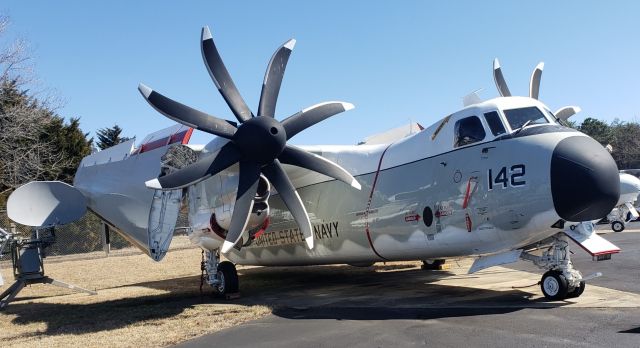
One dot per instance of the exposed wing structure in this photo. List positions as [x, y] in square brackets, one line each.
[113, 182]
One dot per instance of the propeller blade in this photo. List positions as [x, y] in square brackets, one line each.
[273, 79]
[186, 115]
[501, 84]
[222, 79]
[566, 112]
[534, 84]
[196, 172]
[306, 118]
[247, 187]
[301, 158]
[278, 178]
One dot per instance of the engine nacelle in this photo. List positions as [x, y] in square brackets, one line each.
[259, 212]
[211, 205]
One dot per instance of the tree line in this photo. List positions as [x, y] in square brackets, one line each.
[36, 142]
[623, 137]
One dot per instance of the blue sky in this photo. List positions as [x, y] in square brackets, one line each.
[395, 60]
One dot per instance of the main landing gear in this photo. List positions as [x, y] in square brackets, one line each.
[433, 264]
[561, 280]
[221, 276]
[617, 226]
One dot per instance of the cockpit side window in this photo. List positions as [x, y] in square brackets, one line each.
[494, 122]
[468, 130]
[524, 116]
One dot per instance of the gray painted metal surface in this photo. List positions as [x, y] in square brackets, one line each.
[46, 203]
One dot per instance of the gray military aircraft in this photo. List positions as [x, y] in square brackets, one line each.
[499, 180]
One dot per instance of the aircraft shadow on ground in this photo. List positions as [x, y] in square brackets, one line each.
[61, 318]
[386, 313]
[635, 330]
[337, 292]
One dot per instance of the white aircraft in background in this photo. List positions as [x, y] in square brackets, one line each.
[500, 180]
[625, 210]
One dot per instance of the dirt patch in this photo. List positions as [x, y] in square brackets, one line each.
[139, 302]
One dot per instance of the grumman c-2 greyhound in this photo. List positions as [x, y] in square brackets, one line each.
[498, 179]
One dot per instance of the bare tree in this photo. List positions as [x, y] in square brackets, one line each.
[15, 61]
[26, 154]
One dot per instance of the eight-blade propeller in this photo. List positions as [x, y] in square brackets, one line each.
[258, 144]
[534, 88]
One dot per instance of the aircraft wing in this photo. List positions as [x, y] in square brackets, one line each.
[350, 158]
[113, 181]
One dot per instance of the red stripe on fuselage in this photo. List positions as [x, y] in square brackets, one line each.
[366, 214]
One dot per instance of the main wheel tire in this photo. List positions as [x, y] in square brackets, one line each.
[228, 276]
[554, 286]
[577, 291]
[617, 226]
[433, 265]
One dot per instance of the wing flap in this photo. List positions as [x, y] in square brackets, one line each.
[592, 242]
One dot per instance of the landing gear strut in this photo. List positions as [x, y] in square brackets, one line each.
[433, 264]
[561, 281]
[221, 276]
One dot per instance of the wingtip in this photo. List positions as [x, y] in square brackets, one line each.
[226, 246]
[496, 64]
[206, 33]
[309, 241]
[153, 184]
[540, 66]
[347, 106]
[356, 184]
[290, 44]
[577, 109]
[145, 90]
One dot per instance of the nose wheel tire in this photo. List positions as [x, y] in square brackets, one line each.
[617, 226]
[577, 291]
[228, 276]
[554, 286]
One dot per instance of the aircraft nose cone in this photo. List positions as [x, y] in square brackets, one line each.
[585, 183]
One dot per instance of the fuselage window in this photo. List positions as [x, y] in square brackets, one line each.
[468, 130]
[524, 116]
[493, 119]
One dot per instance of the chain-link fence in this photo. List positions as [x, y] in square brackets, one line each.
[83, 239]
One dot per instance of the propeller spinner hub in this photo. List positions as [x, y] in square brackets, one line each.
[261, 139]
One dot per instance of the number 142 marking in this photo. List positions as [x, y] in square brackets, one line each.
[515, 177]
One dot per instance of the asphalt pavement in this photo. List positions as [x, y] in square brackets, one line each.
[391, 305]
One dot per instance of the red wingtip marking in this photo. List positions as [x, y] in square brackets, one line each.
[187, 136]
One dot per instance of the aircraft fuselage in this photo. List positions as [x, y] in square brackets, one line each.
[424, 197]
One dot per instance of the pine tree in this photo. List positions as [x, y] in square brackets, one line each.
[108, 137]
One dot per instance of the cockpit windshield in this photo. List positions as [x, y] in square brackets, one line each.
[524, 116]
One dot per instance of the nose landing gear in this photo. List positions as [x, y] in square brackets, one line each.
[561, 281]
